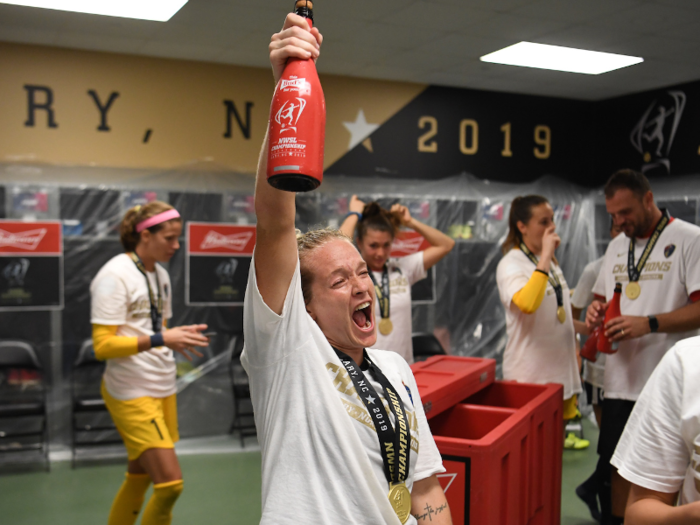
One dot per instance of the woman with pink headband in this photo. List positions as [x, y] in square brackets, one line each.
[131, 303]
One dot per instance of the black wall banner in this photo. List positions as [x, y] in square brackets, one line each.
[217, 263]
[497, 136]
[657, 132]
[31, 266]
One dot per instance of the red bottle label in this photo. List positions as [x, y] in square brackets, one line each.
[297, 128]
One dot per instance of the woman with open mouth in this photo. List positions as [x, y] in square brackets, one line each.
[343, 434]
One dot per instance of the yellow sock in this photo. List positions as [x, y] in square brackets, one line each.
[160, 506]
[129, 499]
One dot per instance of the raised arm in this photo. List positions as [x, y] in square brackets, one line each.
[276, 246]
[355, 207]
[440, 244]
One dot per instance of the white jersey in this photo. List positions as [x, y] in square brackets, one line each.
[404, 272]
[120, 297]
[321, 461]
[593, 373]
[670, 275]
[540, 349]
[660, 447]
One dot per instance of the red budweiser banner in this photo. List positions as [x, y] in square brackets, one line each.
[30, 238]
[209, 238]
[408, 243]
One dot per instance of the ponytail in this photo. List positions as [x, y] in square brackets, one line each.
[374, 217]
[127, 229]
[520, 211]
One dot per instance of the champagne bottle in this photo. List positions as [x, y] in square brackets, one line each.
[604, 344]
[297, 123]
[590, 347]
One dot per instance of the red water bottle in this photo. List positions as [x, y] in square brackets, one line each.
[297, 123]
[604, 344]
[590, 347]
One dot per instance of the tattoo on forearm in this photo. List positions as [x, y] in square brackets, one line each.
[430, 511]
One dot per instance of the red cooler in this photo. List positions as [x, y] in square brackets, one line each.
[501, 443]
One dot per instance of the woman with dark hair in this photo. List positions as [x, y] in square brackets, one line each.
[374, 229]
[131, 302]
[342, 431]
[541, 345]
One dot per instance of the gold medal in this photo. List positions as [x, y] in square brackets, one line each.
[400, 499]
[633, 290]
[385, 326]
[561, 314]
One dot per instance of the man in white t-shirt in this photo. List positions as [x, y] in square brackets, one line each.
[659, 452]
[657, 261]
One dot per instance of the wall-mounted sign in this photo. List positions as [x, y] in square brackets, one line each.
[217, 263]
[408, 243]
[31, 265]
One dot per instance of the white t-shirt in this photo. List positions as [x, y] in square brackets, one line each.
[404, 272]
[660, 447]
[321, 461]
[671, 274]
[593, 373]
[120, 297]
[540, 349]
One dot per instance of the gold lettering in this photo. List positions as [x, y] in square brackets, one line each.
[423, 145]
[506, 151]
[543, 137]
[620, 268]
[472, 148]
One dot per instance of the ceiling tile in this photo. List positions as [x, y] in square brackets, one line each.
[517, 27]
[443, 17]
[97, 42]
[24, 35]
[573, 12]
[462, 45]
[183, 50]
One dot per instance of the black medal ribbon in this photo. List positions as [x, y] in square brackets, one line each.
[553, 278]
[634, 272]
[383, 292]
[156, 304]
[394, 443]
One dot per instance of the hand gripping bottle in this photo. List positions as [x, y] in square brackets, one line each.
[297, 123]
[604, 344]
[590, 347]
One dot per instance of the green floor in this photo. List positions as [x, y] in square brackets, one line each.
[219, 489]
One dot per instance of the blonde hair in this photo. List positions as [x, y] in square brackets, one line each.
[127, 229]
[306, 244]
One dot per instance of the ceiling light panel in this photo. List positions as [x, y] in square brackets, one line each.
[155, 10]
[559, 58]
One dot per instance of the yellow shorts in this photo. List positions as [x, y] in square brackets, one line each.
[570, 408]
[144, 422]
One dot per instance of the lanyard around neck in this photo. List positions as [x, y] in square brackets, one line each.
[156, 304]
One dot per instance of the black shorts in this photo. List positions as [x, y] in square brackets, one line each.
[616, 412]
[594, 394]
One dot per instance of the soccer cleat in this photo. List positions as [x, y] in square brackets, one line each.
[573, 442]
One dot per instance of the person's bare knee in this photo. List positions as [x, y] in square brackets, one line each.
[161, 464]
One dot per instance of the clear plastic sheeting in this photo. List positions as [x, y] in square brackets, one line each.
[465, 311]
